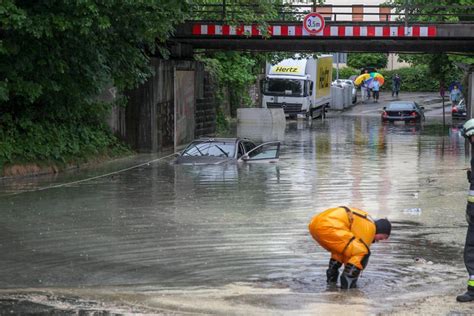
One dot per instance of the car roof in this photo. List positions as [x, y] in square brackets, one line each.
[402, 102]
[220, 139]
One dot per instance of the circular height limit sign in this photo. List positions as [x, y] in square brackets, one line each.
[313, 23]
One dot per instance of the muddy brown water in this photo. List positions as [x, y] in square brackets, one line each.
[233, 239]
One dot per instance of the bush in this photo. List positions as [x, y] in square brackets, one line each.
[344, 73]
[362, 60]
[48, 142]
[414, 79]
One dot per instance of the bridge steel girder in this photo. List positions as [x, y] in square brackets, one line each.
[450, 38]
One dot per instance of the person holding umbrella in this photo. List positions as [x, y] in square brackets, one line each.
[455, 95]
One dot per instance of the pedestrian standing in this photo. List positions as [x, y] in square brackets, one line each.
[468, 132]
[396, 83]
[455, 95]
[347, 233]
[376, 89]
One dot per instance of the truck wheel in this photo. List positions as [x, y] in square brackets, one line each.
[292, 116]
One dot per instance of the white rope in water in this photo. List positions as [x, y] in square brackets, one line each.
[91, 178]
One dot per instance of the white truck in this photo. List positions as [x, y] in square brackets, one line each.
[299, 86]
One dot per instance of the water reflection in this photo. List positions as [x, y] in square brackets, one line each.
[164, 226]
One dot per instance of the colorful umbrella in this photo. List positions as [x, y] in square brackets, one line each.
[361, 78]
[368, 78]
[455, 83]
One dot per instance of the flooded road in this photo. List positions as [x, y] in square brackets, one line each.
[233, 239]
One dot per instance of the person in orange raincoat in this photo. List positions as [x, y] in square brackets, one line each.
[347, 234]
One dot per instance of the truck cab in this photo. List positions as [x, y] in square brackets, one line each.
[293, 86]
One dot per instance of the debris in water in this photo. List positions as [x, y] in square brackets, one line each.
[413, 211]
[420, 260]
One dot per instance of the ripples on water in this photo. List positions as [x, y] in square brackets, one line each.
[178, 226]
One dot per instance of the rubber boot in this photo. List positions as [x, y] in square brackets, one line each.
[349, 276]
[468, 296]
[333, 271]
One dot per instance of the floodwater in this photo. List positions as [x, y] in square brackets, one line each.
[141, 235]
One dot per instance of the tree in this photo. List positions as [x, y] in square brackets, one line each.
[56, 56]
[441, 65]
[362, 60]
[52, 51]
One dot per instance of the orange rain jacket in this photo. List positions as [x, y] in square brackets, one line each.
[345, 232]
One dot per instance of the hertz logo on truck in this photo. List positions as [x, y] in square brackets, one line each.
[282, 69]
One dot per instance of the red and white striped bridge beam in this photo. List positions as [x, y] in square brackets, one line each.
[336, 36]
[339, 31]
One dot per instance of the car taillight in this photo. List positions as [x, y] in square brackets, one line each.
[413, 113]
[454, 109]
[384, 114]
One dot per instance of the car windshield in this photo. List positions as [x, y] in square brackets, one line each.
[291, 87]
[210, 148]
[401, 107]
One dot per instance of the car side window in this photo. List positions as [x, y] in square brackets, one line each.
[249, 146]
[241, 150]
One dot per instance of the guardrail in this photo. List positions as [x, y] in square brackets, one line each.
[226, 11]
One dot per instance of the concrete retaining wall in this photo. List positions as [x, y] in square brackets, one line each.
[147, 122]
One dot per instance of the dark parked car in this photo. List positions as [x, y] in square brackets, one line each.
[459, 110]
[216, 151]
[403, 111]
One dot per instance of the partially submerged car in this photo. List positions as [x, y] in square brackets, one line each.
[206, 151]
[459, 110]
[403, 111]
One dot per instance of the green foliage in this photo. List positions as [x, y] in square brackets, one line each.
[222, 123]
[433, 11]
[57, 56]
[417, 79]
[345, 72]
[441, 65]
[362, 60]
[53, 51]
[24, 140]
[234, 73]
[414, 79]
[248, 11]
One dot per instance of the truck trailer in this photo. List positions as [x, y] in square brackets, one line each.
[299, 86]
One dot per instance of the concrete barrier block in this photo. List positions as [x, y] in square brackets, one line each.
[261, 116]
[261, 133]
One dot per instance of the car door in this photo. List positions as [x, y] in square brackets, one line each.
[266, 152]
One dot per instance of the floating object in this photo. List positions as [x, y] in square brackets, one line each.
[420, 260]
[414, 211]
